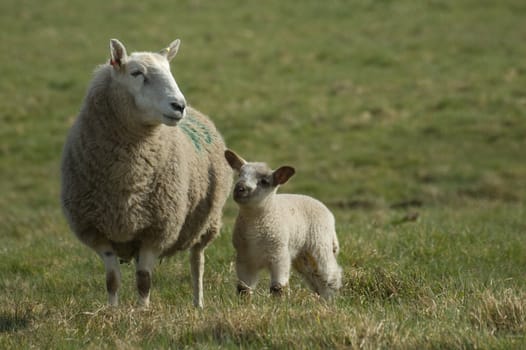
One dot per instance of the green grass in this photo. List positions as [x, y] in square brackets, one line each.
[407, 118]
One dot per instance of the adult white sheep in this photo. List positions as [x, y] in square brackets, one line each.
[277, 231]
[143, 174]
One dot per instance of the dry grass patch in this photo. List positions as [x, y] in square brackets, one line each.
[500, 312]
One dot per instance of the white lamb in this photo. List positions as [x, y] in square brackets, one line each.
[274, 231]
[143, 174]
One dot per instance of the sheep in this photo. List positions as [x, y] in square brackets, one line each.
[143, 174]
[276, 231]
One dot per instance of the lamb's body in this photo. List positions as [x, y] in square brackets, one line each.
[280, 231]
[135, 190]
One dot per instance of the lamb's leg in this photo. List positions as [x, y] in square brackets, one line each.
[197, 267]
[307, 268]
[327, 278]
[332, 278]
[279, 275]
[247, 278]
[144, 267]
[113, 274]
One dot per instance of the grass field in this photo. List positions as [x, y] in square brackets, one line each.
[408, 118]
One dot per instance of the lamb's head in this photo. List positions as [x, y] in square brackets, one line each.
[256, 181]
[147, 78]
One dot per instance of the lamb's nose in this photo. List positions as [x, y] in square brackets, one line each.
[240, 188]
[178, 106]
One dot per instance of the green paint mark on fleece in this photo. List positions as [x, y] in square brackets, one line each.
[196, 131]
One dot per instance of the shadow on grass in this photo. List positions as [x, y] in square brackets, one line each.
[13, 322]
[255, 333]
[299, 319]
[381, 284]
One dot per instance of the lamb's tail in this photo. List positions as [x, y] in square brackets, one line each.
[335, 245]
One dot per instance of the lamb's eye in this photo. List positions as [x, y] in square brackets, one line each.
[136, 73]
[264, 182]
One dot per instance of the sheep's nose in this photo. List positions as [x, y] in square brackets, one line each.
[178, 106]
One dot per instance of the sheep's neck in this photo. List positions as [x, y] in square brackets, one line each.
[111, 113]
[126, 125]
[127, 143]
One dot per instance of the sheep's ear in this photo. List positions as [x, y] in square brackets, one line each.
[282, 174]
[235, 161]
[118, 54]
[170, 51]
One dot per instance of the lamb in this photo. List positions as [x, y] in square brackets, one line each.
[143, 174]
[276, 231]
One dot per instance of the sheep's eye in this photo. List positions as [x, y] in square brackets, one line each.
[136, 73]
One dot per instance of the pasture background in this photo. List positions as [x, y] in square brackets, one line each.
[408, 118]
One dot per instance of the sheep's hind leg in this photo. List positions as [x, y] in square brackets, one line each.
[113, 274]
[197, 259]
[197, 268]
[144, 267]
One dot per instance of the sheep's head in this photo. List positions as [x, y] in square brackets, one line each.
[146, 76]
[256, 181]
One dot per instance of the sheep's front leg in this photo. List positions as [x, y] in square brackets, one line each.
[113, 274]
[144, 267]
[197, 268]
[279, 274]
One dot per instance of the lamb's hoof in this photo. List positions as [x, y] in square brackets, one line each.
[113, 301]
[277, 290]
[143, 303]
[244, 291]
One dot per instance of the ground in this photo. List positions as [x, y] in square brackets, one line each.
[406, 118]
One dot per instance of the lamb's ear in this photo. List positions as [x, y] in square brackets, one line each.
[282, 174]
[118, 54]
[235, 161]
[171, 50]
